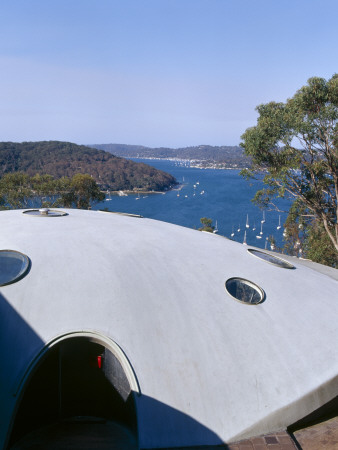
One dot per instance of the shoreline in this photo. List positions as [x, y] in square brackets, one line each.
[126, 193]
[191, 163]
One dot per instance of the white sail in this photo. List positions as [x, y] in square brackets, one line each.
[279, 225]
[263, 219]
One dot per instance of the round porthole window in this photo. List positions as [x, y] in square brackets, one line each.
[244, 291]
[45, 212]
[271, 259]
[13, 266]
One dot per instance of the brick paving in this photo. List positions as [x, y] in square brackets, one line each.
[323, 436]
[275, 441]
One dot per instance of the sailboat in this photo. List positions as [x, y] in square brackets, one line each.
[244, 240]
[239, 228]
[279, 225]
[233, 233]
[247, 221]
[259, 236]
[216, 228]
[254, 227]
[263, 220]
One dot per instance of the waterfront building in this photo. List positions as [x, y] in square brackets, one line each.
[183, 338]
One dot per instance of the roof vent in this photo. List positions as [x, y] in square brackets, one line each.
[244, 291]
[45, 212]
[13, 266]
[271, 259]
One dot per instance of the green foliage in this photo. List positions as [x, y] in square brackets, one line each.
[64, 159]
[82, 191]
[19, 190]
[306, 236]
[318, 246]
[294, 146]
[295, 229]
[206, 225]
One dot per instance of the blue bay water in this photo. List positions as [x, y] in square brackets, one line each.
[226, 198]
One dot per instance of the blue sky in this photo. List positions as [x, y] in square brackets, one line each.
[155, 72]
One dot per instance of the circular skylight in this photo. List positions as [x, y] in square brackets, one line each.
[244, 291]
[45, 212]
[13, 266]
[271, 259]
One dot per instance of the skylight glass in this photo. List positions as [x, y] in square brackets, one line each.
[244, 291]
[13, 266]
[271, 259]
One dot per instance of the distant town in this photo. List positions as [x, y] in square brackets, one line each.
[202, 156]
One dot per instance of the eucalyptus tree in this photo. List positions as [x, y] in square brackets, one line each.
[295, 146]
[206, 225]
[19, 190]
[80, 191]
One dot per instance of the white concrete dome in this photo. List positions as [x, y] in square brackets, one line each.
[195, 366]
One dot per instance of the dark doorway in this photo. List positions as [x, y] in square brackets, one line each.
[77, 379]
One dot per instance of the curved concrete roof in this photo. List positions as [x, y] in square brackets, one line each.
[227, 369]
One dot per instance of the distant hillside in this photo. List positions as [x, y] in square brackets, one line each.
[230, 156]
[65, 159]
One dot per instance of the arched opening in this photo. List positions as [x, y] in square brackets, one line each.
[77, 380]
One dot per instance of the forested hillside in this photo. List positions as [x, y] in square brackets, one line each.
[66, 159]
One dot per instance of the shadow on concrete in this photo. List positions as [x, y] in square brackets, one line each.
[67, 389]
[19, 344]
[170, 427]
